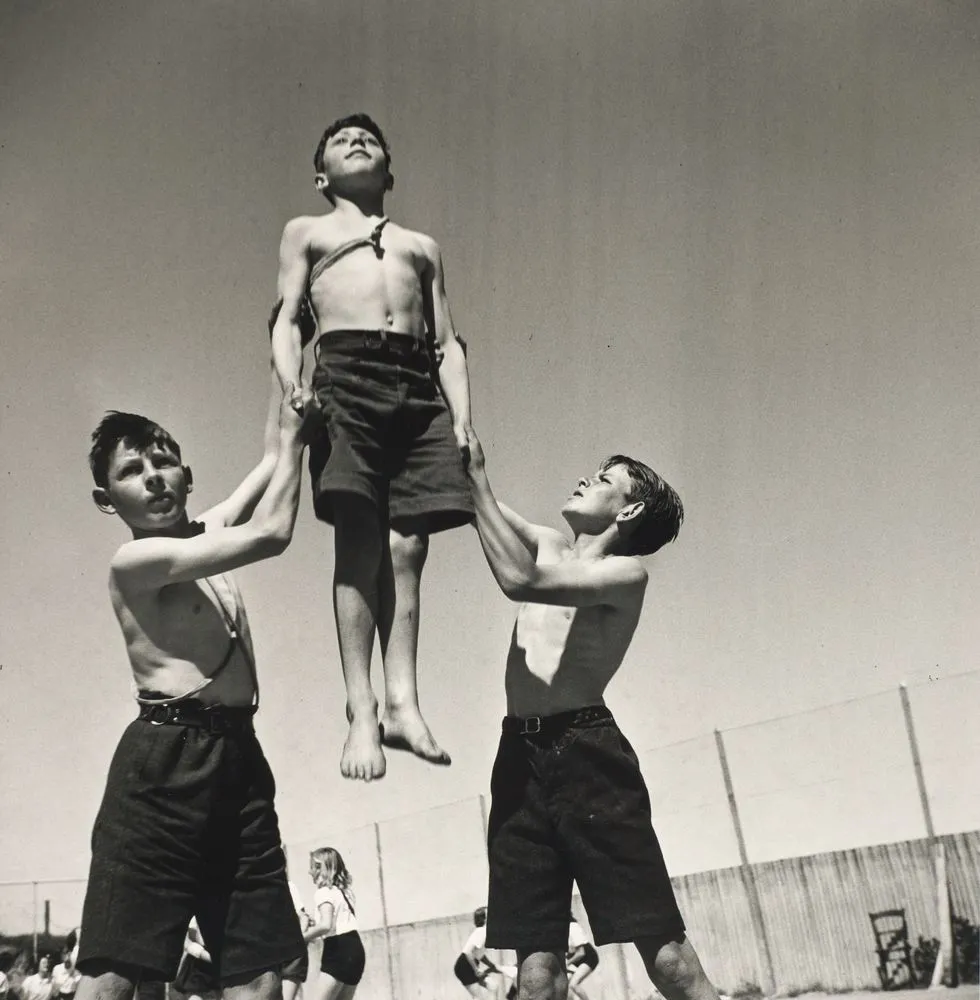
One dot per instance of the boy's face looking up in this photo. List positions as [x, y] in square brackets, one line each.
[597, 501]
[354, 161]
[147, 487]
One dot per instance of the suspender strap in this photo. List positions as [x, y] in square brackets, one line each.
[234, 640]
[371, 240]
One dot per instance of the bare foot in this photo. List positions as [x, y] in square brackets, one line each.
[405, 729]
[363, 759]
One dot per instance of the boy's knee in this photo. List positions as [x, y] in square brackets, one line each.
[104, 979]
[542, 977]
[675, 966]
[263, 985]
[408, 552]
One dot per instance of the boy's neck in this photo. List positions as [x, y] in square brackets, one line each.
[184, 528]
[367, 205]
[607, 543]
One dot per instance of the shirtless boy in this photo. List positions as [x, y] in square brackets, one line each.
[568, 799]
[387, 469]
[187, 826]
[473, 968]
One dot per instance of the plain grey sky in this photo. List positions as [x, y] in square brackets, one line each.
[736, 240]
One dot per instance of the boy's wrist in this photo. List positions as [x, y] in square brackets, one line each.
[290, 435]
[478, 475]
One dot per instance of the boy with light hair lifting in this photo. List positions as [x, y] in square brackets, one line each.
[568, 799]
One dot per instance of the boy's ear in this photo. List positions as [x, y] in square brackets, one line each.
[321, 183]
[389, 180]
[100, 497]
[189, 478]
[631, 512]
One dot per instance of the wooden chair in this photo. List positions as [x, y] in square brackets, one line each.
[893, 949]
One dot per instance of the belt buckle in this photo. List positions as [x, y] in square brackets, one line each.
[531, 726]
[167, 711]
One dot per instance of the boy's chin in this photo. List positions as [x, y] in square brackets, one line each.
[161, 523]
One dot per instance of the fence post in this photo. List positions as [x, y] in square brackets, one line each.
[945, 961]
[768, 984]
[34, 916]
[384, 912]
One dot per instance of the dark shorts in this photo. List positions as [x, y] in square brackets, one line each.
[296, 969]
[343, 957]
[187, 828]
[195, 977]
[386, 435]
[464, 971]
[569, 803]
[590, 958]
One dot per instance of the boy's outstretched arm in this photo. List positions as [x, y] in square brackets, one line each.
[152, 563]
[453, 374]
[287, 341]
[529, 534]
[572, 583]
[238, 507]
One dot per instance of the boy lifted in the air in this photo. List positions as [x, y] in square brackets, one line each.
[387, 465]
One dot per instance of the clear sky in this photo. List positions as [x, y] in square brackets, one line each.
[736, 240]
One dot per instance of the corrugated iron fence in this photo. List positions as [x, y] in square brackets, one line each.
[782, 837]
[815, 909]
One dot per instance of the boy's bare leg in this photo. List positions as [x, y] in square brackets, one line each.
[358, 552]
[264, 986]
[675, 969]
[579, 973]
[108, 984]
[402, 725]
[541, 975]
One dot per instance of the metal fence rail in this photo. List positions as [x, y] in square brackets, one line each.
[777, 857]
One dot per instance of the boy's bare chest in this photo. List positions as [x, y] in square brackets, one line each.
[338, 255]
[552, 633]
[189, 619]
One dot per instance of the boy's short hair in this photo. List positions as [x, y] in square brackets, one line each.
[136, 430]
[480, 916]
[358, 120]
[306, 319]
[663, 512]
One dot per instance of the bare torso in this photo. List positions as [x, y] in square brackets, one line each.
[177, 637]
[564, 658]
[362, 290]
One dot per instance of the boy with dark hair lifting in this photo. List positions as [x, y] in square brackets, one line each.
[568, 800]
[387, 465]
[187, 826]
